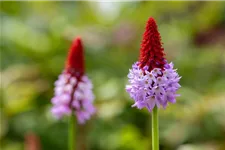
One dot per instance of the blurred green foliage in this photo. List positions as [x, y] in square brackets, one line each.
[35, 37]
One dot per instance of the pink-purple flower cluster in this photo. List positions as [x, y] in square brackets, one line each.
[73, 93]
[155, 88]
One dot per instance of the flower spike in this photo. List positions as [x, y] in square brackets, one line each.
[73, 89]
[152, 81]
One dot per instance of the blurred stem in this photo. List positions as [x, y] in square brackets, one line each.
[71, 132]
[155, 129]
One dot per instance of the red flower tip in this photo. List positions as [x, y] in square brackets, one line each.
[75, 58]
[151, 51]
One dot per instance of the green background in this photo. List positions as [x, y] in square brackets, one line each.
[35, 37]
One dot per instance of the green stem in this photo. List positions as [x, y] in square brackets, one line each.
[71, 132]
[155, 129]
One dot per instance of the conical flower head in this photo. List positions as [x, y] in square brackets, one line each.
[152, 81]
[151, 51]
[75, 58]
[73, 89]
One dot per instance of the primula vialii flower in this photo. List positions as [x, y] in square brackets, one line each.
[73, 89]
[152, 81]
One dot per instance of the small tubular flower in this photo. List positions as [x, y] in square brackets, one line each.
[73, 89]
[152, 81]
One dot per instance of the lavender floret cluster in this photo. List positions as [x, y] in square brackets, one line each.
[155, 88]
[72, 93]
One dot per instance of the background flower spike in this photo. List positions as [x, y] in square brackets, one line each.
[73, 89]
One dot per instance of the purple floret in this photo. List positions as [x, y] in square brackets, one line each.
[155, 88]
[72, 93]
